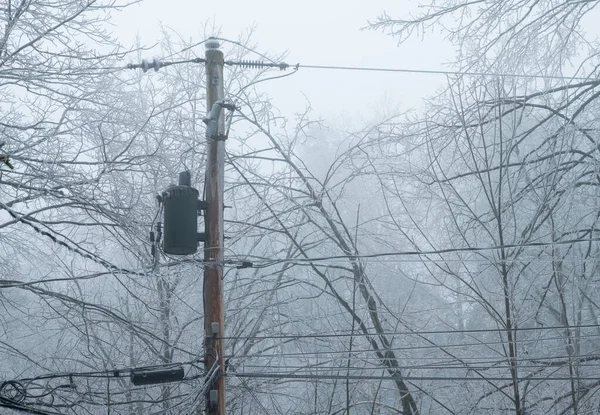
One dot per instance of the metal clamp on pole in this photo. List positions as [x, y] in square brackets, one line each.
[212, 120]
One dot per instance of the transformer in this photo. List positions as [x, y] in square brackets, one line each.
[180, 204]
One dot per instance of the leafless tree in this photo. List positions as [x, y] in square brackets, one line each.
[513, 159]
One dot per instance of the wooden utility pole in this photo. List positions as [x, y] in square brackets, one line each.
[213, 246]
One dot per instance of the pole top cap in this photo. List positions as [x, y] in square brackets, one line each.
[212, 43]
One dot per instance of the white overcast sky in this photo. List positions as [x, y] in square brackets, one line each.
[316, 32]
[325, 32]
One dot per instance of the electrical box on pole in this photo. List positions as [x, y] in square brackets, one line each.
[155, 376]
[181, 206]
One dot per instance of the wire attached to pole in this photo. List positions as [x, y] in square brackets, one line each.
[249, 64]
[156, 64]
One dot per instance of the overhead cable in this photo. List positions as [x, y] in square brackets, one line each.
[284, 66]
[156, 64]
[292, 376]
[9, 403]
[270, 263]
[408, 332]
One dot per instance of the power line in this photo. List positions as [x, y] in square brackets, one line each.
[270, 263]
[292, 376]
[95, 258]
[441, 72]
[109, 373]
[405, 333]
[473, 344]
[264, 262]
[322, 367]
[9, 403]
[520, 259]
[252, 394]
[185, 49]
[156, 64]
[234, 42]
[438, 361]
[79, 251]
[284, 66]
[119, 372]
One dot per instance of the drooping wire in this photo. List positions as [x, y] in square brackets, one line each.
[283, 66]
[308, 376]
[7, 403]
[234, 42]
[251, 392]
[13, 395]
[209, 378]
[406, 333]
[442, 72]
[156, 237]
[265, 80]
[13, 390]
[376, 364]
[185, 49]
[95, 258]
[79, 251]
[113, 373]
[157, 63]
[277, 261]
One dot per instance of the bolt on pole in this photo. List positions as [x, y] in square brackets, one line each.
[213, 246]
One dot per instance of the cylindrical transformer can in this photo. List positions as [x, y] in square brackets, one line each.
[180, 220]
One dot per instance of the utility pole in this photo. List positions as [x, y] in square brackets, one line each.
[213, 246]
